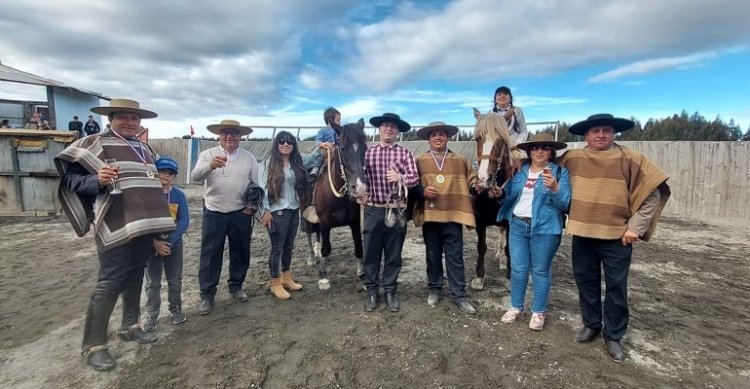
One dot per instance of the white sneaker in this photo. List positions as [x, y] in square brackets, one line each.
[537, 321]
[512, 315]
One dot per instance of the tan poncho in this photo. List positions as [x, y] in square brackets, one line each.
[453, 203]
[608, 188]
[142, 207]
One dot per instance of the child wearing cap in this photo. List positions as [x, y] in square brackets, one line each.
[167, 252]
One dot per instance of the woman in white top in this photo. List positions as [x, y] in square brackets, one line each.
[286, 189]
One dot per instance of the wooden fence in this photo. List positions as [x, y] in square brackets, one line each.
[706, 178]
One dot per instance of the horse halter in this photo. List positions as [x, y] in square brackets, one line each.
[499, 161]
[345, 186]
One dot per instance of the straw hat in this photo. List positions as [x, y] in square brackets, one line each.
[424, 132]
[544, 140]
[124, 105]
[229, 124]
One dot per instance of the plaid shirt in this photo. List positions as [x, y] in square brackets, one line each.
[378, 160]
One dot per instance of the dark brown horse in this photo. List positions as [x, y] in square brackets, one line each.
[336, 189]
[495, 169]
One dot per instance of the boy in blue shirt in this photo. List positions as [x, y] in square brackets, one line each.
[167, 252]
[326, 137]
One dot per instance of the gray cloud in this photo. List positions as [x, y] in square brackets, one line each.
[473, 39]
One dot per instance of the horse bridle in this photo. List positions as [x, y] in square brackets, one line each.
[499, 159]
[345, 186]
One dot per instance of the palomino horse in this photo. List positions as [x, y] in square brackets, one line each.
[335, 197]
[495, 169]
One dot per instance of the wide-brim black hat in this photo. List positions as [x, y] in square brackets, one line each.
[424, 132]
[393, 118]
[601, 119]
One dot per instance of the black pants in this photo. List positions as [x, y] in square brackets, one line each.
[286, 222]
[120, 273]
[445, 238]
[378, 240]
[217, 226]
[589, 256]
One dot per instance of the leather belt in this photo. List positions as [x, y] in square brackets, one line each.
[526, 220]
[385, 205]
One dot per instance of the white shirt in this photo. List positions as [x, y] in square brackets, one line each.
[225, 187]
[523, 207]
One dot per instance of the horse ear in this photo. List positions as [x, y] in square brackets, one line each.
[477, 114]
[361, 124]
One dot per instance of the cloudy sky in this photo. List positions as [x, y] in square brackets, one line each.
[282, 62]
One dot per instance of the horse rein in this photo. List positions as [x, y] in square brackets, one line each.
[344, 187]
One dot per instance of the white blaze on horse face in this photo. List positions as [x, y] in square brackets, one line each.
[484, 164]
[360, 188]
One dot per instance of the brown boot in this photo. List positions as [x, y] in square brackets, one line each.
[278, 290]
[288, 281]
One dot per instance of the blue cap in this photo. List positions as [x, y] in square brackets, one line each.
[166, 163]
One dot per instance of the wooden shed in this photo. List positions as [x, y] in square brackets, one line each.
[28, 179]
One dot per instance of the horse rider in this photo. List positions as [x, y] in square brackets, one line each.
[390, 171]
[127, 216]
[226, 170]
[617, 197]
[446, 179]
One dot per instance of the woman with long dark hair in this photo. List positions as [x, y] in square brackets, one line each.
[503, 100]
[286, 189]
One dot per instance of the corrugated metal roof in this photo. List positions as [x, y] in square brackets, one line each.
[10, 74]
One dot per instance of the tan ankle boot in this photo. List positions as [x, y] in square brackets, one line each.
[278, 290]
[288, 281]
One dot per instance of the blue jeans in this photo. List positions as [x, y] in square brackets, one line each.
[172, 269]
[286, 222]
[217, 226]
[535, 252]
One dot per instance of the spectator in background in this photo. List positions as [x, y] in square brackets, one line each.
[5, 123]
[76, 125]
[34, 123]
[92, 126]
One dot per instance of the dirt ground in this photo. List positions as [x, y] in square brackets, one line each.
[689, 292]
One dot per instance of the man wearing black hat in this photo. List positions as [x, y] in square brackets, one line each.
[618, 195]
[390, 171]
[446, 178]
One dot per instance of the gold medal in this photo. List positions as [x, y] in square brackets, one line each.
[440, 178]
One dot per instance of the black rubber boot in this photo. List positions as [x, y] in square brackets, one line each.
[130, 330]
[101, 304]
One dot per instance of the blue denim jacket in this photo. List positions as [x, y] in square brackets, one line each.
[546, 207]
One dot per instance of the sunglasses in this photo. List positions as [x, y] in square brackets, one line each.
[545, 148]
[282, 142]
[230, 133]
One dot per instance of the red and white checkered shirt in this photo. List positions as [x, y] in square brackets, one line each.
[378, 160]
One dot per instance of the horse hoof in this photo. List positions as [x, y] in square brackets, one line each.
[323, 284]
[477, 283]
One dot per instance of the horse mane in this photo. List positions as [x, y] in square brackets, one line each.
[491, 127]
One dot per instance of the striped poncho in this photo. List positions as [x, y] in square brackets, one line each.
[608, 188]
[141, 209]
[453, 203]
